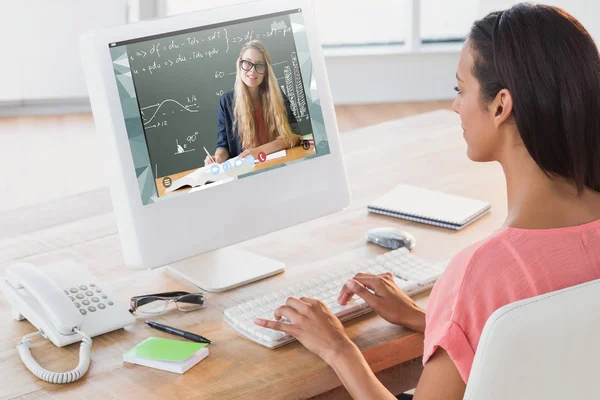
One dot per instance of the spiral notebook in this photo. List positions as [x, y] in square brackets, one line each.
[430, 207]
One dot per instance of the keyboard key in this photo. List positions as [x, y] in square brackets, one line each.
[232, 312]
[282, 297]
[270, 298]
[262, 301]
[273, 336]
[253, 304]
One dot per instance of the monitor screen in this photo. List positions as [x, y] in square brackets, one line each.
[210, 105]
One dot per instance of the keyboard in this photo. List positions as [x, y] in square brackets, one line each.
[412, 274]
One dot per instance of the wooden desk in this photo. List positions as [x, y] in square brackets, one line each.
[292, 154]
[426, 150]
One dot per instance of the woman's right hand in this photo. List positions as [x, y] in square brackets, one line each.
[208, 160]
[388, 300]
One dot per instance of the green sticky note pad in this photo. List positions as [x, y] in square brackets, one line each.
[155, 348]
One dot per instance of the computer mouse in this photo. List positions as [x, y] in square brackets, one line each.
[391, 238]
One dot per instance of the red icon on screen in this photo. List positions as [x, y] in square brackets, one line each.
[262, 157]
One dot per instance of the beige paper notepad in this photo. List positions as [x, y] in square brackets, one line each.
[429, 207]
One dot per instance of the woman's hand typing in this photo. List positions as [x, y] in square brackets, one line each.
[386, 299]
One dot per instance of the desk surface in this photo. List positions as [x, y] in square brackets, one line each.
[291, 155]
[425, 150]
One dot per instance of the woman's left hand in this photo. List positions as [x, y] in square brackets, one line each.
[313, 324]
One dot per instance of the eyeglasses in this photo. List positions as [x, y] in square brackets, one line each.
[157, 303]
[248, 65]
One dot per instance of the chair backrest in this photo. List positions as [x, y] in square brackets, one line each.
[546, 347]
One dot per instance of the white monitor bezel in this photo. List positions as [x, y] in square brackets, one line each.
[175, 228]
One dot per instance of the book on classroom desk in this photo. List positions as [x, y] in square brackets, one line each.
[429, 207]
[204, 175]
[167, 354]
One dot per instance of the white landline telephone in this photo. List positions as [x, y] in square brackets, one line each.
[66, 309]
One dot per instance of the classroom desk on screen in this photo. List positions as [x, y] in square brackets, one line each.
[292, 154]
[425, 150]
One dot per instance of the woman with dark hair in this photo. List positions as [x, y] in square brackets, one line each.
[528, 96]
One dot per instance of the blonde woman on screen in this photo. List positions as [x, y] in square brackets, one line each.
[255, 116]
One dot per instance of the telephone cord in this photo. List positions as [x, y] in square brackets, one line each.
[56, 377]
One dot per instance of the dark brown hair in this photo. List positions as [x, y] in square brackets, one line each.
[551, 66]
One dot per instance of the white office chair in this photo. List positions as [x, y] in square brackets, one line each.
[546, 347]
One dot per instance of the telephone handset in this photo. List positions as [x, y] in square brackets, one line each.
[67, 308]
[61, 312]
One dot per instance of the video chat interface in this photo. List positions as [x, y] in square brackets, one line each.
[170, 86]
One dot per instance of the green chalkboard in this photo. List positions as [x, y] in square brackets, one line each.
[179, 80]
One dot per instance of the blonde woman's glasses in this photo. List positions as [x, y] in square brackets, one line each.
[248, 65]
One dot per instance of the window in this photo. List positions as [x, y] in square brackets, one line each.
[350, 23]
[183, 6]
[446, 21]
[340, 22]
[347, 23]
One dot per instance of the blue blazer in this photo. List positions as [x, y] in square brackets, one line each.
[228, 137]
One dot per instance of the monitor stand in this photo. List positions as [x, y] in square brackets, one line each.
[224, 269]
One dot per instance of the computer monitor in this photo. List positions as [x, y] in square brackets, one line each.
[172, 95]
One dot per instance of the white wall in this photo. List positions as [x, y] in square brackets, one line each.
[393, 77]
[10, 77]
[40, 38]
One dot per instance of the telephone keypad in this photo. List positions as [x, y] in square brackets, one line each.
[88, 298]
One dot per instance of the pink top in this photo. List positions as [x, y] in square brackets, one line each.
[512, 264]
[261, 133]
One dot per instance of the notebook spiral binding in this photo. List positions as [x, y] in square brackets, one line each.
[414, 218]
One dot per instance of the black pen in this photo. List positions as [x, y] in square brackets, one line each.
[178, 332]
